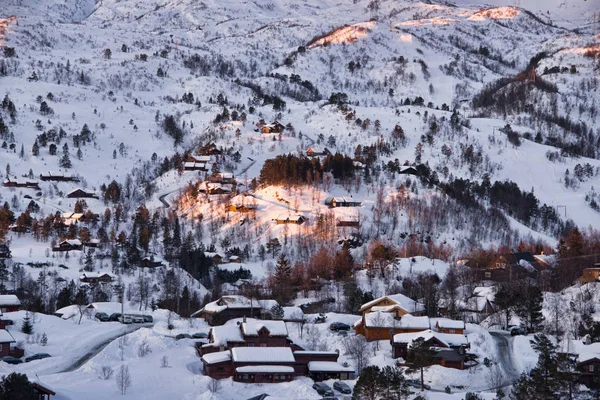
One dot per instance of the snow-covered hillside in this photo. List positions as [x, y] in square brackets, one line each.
[465, 125]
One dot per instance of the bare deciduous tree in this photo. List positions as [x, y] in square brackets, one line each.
[357, 348]
[123, 379]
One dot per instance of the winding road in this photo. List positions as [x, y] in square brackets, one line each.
[99, 347]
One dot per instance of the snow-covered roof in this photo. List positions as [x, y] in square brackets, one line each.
[72, 242]
[296, 218]
[252, 326]
[262, 355]
[267, 304]
[380, 319]
[448, 339]
[221, 335]
[446, 323]
[201, 159]
[94, 275]
[292, 313]
[230, 301]
[316, 353]
[194, 164]
[403, 301]
[328, 366]
[412, 322]
[219, 356]
[267, 369]
[6, 337]
[9, 300]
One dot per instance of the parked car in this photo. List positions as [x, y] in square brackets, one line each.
[102, 316]
[329, 398]
[148, 318]
[115, 317]
[183, 336]
[416, 383]
[321, 319]
[137, 319]
[200, 335]
[323, 389]
[125, 319]
[517, 330]
[12, 360]
[342, 387]
[339, 326]
[38, 356]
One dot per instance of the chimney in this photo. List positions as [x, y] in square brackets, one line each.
[244, 320]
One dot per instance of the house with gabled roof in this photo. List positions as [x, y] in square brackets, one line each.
[233, 306]
[68, 245]
[80, 193]
[292, 219]
[400, 303]
[9, 303]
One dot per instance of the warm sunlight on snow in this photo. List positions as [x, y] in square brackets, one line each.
[495, 13]
[346, 34]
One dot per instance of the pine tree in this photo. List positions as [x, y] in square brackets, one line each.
[393, 384]
[368, 386]
[44, 339]
[89, 262]
[419, 357]
[277, 312]
[35, 149]
[281, 281]
[530, 304]
[16, 387]
[27, 327]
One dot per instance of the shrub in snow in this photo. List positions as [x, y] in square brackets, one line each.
[144, 349]
[214, 386]
[164, 362]
[106, 372]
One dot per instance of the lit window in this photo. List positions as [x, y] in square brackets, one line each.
[591, 367]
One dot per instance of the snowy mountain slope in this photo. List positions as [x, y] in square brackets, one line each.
[567, 13]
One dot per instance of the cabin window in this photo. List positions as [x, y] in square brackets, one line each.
[488, 274]
[250, 344]
[591, 367]
[245, 377]
[280, 377]
[220, 369]
[0, 347]
[452, 331]
[263, 345]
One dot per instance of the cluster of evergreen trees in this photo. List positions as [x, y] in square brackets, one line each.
[299, 170]
[521, 205]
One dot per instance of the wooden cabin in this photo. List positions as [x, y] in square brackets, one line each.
[68, 245]
[82, 194]
[590, 274]
[58, 178]
[295, 220]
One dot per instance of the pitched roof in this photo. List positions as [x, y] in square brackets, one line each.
[448, 339]
[221, 335]
[276, 328]
[218, 357]
[328, 366]
[6, 337]
[9, 300]
[403, 301]
[262, 355]
[447, 323]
